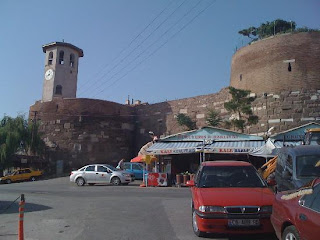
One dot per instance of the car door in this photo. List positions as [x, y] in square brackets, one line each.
[89, 174]
[137, 170]
[103, 174]
[308, 222]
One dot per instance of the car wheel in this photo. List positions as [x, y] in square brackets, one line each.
[116, 181]
[8, 181]
[80, 181]
[33, 179]
[195, 225]
[290, 233]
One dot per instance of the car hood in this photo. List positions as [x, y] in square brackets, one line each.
[234, 196]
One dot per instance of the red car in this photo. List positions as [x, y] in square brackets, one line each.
[230, 197]
[296, 214]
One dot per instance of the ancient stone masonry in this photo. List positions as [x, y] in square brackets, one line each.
[264, 66]
[81, 131]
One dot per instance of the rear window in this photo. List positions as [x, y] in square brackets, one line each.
[230, 176]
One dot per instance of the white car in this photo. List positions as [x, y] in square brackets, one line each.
[100, 173]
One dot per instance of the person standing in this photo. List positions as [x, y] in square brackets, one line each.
[120, 164]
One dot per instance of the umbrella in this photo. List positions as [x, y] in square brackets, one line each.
[144, 158]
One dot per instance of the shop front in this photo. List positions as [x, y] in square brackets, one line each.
[181, 154]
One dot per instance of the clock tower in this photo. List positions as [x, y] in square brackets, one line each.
[61, 70]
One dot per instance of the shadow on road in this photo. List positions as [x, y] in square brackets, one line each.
[242, 237]
[14, 208]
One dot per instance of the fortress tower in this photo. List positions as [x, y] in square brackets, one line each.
[61, 70]
[285, 62]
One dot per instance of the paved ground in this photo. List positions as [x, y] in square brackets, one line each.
[57, 209]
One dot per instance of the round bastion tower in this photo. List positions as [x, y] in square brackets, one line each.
[61, 70]
[285, 62]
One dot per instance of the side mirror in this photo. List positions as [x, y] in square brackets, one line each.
[271, 182]
[190, 183]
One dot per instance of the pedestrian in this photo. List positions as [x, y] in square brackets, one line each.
[120, 164]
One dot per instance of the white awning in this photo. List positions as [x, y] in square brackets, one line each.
[165, 148]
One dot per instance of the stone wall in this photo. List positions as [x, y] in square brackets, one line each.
[282, 110]
[82, 131]
[264, 65]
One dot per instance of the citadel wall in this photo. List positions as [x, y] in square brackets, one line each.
[82, 131]
[264, 65]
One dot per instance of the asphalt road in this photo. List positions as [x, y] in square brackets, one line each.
[58, 209]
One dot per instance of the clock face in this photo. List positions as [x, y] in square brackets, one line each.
[49, 74]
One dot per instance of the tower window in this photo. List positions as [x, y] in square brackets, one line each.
[289, 67]
[240, 77]
[61, 56]
[58, 90]
[50, 59]
[71, 60]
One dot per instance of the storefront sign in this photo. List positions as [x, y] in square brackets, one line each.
[228, 150]
[173, 151]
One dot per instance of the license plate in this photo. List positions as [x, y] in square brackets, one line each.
[243, 222]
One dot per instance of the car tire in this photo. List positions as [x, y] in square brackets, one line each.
[195, 225]
[8, 181]
[80, 181]
[116, 181]
[290, 233]
[33, 179]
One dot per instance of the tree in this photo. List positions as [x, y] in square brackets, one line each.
[184, 120]
[213, 119]
[240, 107]
[17, 135]
[268, 29]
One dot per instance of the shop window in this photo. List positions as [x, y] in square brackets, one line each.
[50, 59]
[61, 57]
[71, 60]
[58, 90]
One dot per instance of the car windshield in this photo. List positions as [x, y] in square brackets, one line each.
[308, 166]
[110, 167]
[230, 176]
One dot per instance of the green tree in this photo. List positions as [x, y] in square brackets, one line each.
[184, 120]
[240, 106]
[213, 119]
[17, 135]
[268, 29]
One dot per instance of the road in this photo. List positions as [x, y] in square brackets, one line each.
[58, 209]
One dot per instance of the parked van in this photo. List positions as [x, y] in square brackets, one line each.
[297, 166]
[135, 168]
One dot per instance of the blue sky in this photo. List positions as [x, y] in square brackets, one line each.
[188, 52]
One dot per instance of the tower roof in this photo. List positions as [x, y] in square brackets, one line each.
[46, 46]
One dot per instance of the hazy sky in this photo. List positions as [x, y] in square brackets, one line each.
[152, 50]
